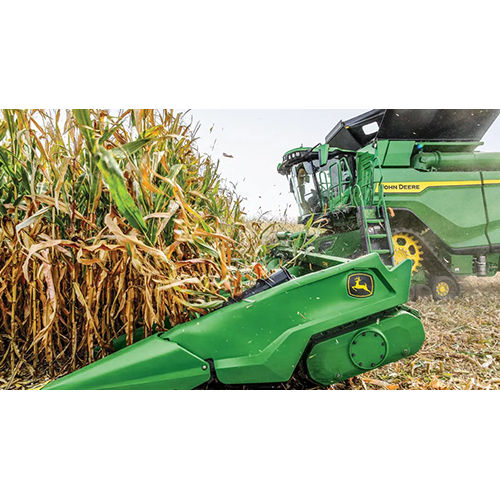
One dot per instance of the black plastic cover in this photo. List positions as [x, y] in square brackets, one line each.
[349, 134]
[277, 278]
[413, 124]
[437, 124]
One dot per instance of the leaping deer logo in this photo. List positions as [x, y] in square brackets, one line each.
[360, 285]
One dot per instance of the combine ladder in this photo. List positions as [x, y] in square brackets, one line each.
[373, 220]
[376, 233]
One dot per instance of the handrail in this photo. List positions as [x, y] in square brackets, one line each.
[383, 206]
[380, 190]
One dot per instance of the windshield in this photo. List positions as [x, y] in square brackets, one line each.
[315, 186]
[305, 189]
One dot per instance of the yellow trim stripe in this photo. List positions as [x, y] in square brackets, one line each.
[418, 187]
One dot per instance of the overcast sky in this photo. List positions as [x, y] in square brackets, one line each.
[257, 140]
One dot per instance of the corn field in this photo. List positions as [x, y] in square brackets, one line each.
[111, 224]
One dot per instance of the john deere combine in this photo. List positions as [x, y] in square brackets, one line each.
[321, 318]
[335, 308]
[415, 171]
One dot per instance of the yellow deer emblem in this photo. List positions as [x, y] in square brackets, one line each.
[360, 286]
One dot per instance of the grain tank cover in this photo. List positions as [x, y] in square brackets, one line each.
[357, 132]
[436, 124]
[412, 124]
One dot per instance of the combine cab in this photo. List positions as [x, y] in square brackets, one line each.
[406, 184]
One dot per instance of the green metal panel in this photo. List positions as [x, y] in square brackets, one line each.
[492, 199]
[382, 146]
[365, 348]
[449, 203]
[323, 154]
[398, 153]
[460, 264]
[152, 363]
[262, 339]
[339, 244]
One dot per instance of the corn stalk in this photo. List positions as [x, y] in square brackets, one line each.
[110, 222]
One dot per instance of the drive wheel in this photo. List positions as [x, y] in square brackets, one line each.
[407, 246]
[444, 287]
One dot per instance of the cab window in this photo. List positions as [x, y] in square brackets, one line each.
[345, 173]
[334, 174]
[307, 195]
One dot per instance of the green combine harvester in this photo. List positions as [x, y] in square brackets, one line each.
[405, 184]
[335, 308]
